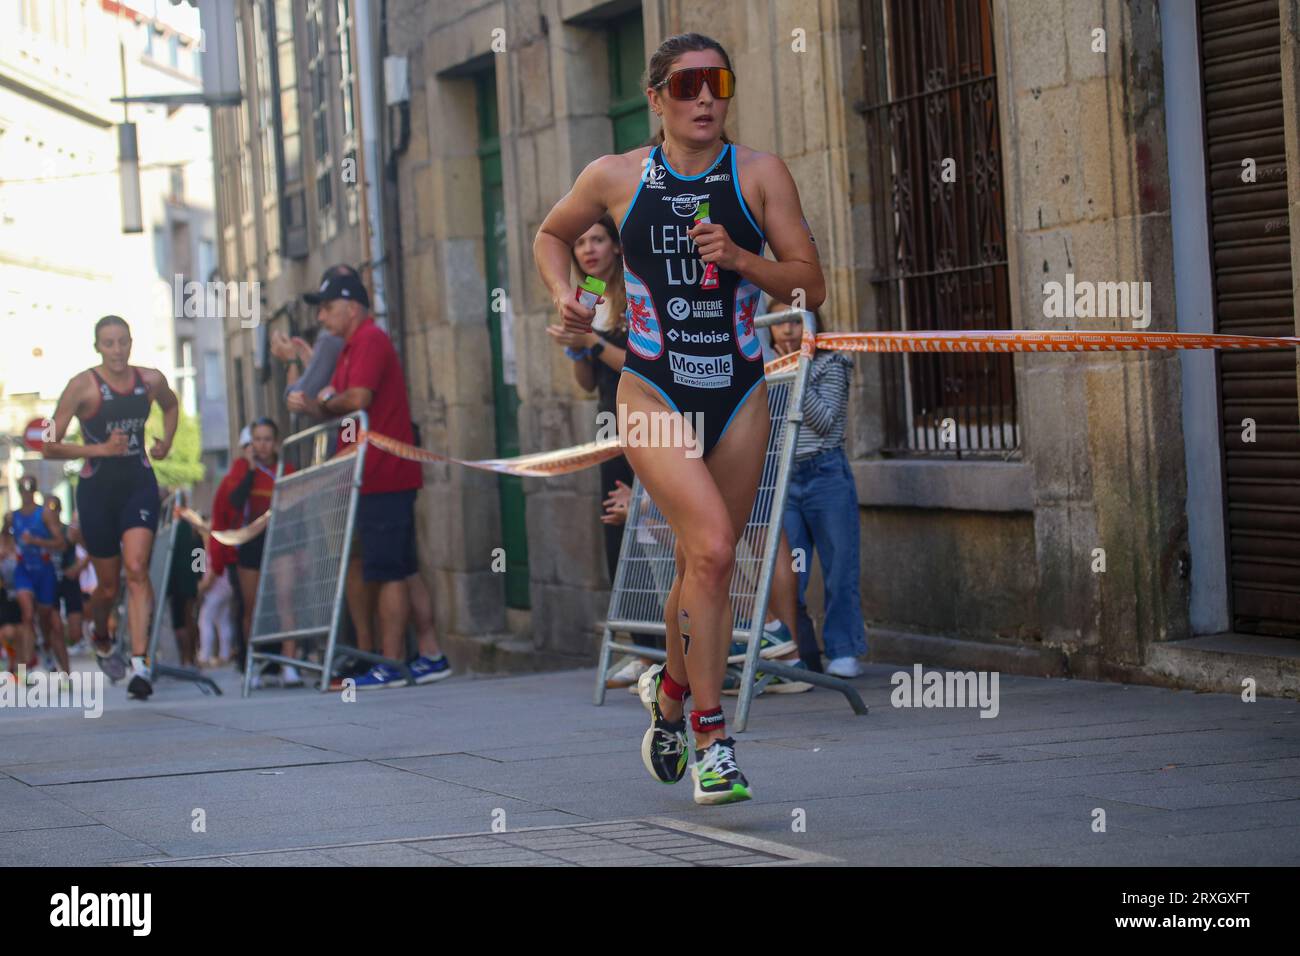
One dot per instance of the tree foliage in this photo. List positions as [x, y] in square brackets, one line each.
[183, 465]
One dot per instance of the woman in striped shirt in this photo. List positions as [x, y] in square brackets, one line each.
[821, 509]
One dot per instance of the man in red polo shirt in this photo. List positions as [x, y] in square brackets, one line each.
[369, 376]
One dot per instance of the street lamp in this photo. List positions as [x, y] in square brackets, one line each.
[128, 160]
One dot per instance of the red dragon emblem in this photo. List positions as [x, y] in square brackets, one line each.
[637, 313]
[745, 320]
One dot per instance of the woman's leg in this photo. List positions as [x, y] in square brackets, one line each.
[248, 578]
[707, 502]
[26, 644]
[208, 623]
[52, 627]
[73, 629]
[224, 617]
[282, 568]
[136, 545]
[108, 575]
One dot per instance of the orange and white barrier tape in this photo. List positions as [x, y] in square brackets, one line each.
[237, 536]
[565, 461]
[540, 464]
[1027, 341]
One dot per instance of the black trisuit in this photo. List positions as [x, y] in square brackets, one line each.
[115, 494]
[695, 346]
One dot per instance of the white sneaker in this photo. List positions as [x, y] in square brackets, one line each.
[289, 676]
[845, 667]
[628, 674]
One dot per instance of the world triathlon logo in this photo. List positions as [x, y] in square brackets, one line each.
[652, 174]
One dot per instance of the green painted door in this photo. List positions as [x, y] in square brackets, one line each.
[505, 398]
[628, 110]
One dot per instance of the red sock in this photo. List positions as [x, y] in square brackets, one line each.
[673, 690]
[708, 720]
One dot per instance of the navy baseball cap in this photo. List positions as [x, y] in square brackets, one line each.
[339, 282]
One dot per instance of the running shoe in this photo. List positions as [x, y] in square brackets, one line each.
[717, 778]
[771, 644]
[663, 748]
[139, 688]
[628, 673]
[345, 668]
[427, 670]
[770, 683]
[112, 664]
[786, 685]
[290, 676]
[379, 677]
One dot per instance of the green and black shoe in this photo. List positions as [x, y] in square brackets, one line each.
[717, 778]
[663, 748]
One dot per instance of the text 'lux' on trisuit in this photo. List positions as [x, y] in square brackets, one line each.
[691, 329]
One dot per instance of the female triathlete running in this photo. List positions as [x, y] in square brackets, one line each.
[117, 495]
[692, 290]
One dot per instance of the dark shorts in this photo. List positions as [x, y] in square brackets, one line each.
[109, 505]
[40, 581]
[70, 595]
[10, 612]
[386, 524]
[250, 553]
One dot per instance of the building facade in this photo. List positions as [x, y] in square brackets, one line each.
[65, 257]
[964, 165]
[288, 166]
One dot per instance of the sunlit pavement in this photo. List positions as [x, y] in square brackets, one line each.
[524, 766]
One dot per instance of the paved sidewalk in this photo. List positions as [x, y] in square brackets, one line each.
[527, 771]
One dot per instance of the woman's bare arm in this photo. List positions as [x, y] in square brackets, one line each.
[798, 268]
[69, 403]
[579, 209]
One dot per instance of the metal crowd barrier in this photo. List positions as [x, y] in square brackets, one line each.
[646, 563]
[304, 561]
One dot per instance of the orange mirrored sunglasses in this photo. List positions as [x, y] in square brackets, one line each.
[686, 84]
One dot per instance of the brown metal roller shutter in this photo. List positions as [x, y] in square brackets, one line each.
[1250, 243]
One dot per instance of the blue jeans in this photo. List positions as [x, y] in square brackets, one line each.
[821, 513]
